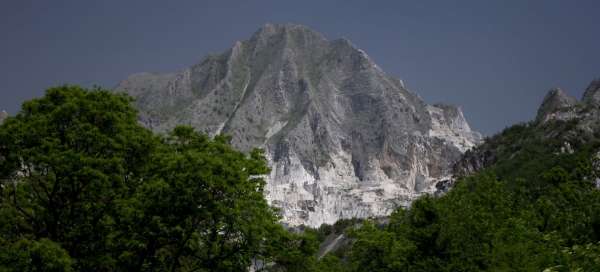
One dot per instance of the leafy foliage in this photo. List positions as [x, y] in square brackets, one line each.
[66, 159]
[85, 188]
[534, 208]
[28, 255]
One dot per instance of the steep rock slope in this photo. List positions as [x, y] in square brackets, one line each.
[343, 138]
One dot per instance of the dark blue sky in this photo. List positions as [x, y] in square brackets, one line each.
[496, 59]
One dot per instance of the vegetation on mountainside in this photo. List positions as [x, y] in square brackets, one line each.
[535, 208]
[85, 188]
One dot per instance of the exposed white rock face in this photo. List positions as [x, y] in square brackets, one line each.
[449, 124]
[343, 139]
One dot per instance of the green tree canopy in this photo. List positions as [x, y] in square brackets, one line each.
[534, 209]
[84, 184]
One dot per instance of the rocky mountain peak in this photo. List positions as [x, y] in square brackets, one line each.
[343, 138]
[592, 93]
[289, 29]
[279, 38]
[555, 101]
[556, 106]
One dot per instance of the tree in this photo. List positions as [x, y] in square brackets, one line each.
[83, 184]
[26, 255]
[201, 207]
[66, 159]
[532, 209]
[292, 252]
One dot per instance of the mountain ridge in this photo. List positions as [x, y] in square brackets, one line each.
[342, 137]
[560, 117]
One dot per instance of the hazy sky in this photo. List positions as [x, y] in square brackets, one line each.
[496, 59]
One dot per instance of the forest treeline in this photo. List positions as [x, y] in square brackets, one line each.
[84, 187]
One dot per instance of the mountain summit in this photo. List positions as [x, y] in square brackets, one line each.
[342, 137]
[555, 101]
[592, 93]
[560, 119]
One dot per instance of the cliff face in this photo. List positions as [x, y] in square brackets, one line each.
[343, 138]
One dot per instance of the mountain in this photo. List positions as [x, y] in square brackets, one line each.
[556, 105]
[563, 124]
[343, 138]
[529, 200]
[591, 95]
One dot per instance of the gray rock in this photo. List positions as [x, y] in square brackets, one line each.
[343, 138]
[557, 105]
[592, 93]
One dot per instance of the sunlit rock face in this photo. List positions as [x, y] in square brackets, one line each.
[343, 138]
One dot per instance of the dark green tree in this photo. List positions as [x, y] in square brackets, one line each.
[533, 209]
[26, 255]
[201, 208]
[84, 187]
[65, 161]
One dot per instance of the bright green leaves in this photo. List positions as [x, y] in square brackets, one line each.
[66, 158]
[85, 187]
[378, 250]
[199, 200]
[532, 209]
[84, 184]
